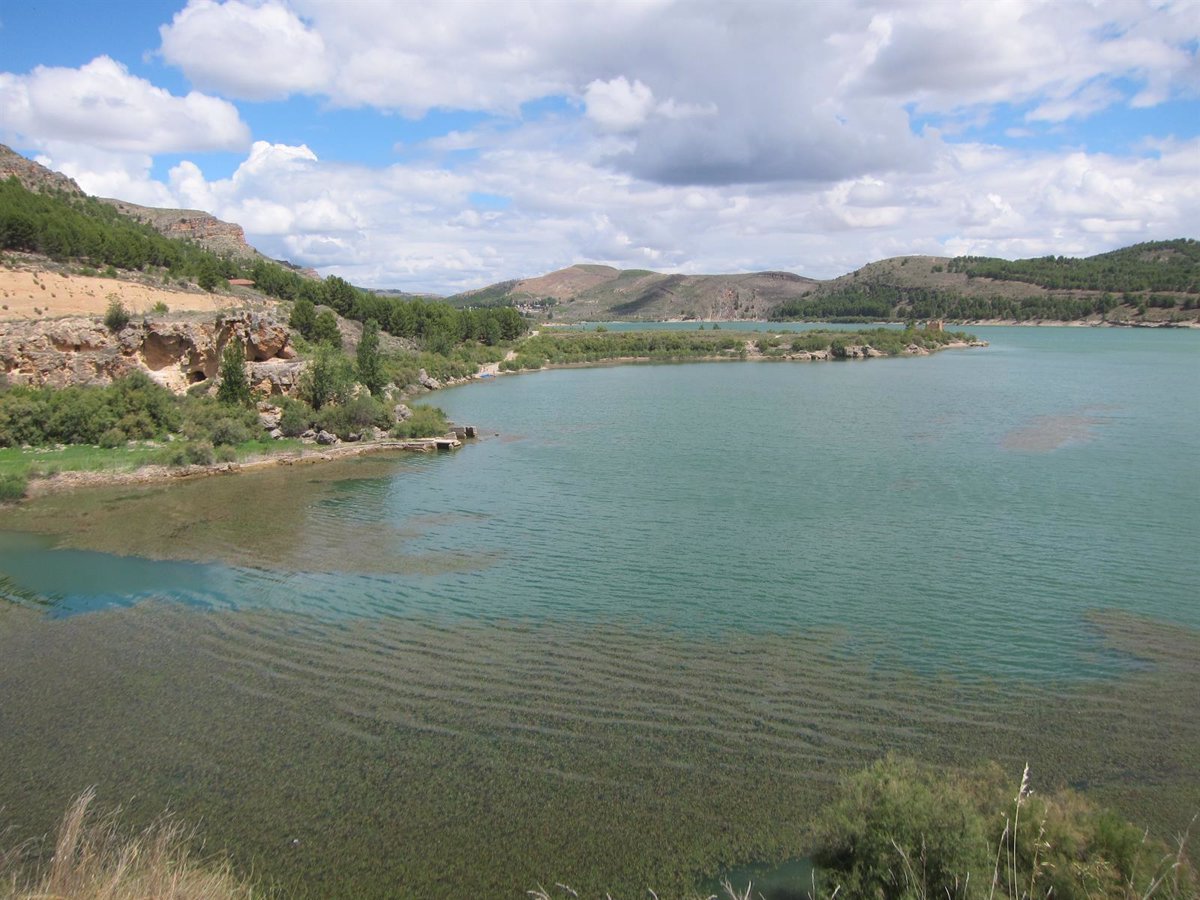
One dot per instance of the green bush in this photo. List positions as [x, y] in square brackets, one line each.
[325, 329]
[426, 421]
[297, 417]
[116, 316]
[328, 378]
[209, 420]
[114, 437]
[12, 487]
[354, 416]
[895, 811]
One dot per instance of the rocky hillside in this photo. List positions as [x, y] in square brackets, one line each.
[176, 351]
[591, 293]
[192, 224]
[34, 176]
[206, 230]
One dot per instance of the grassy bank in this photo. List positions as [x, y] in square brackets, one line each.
[581, 347]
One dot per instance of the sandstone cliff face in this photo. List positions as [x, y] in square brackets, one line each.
[190, 224]
[176, 353]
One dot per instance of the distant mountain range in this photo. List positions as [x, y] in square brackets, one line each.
[1157, 281]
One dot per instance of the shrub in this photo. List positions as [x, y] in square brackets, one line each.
[114, 437]
[160, 307]
[199, 453]
[369, 362]
[325, 329]
[217, 423]
[12, 487]
[327, 379]
[354, 416]
[117, 316]
[893, 812]
[304, 317]
[297, 417]
[426, 421]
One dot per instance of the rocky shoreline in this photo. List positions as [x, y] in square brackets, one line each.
[179, 353]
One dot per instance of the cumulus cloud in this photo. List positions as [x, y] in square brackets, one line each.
[252, 51]
[415, 226]
[101, 105]
[708, 93]
[618, 105]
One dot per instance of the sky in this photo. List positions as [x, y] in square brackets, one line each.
[443, 145]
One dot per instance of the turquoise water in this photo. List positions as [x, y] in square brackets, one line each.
[962, 512]
[656, 599]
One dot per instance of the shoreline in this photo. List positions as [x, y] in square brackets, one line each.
[1007, 323]
[62, 482]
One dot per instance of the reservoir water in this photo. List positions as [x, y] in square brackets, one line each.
[674, 601]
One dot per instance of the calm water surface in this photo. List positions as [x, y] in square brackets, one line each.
[671, 598]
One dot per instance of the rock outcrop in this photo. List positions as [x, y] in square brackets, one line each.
[34, 176]
[175, 352]
[190, 224]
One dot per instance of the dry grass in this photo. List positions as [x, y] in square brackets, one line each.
[94, 860]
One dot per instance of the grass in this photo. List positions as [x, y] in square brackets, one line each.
[40, 462]
[93, 859]
[18, 465]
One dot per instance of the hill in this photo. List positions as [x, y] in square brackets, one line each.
[592, 292]
[1151, 282]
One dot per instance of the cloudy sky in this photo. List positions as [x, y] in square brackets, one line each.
[442, 145]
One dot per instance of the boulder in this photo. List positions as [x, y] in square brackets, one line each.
[426, 382]
[325, 438]
[401, 412]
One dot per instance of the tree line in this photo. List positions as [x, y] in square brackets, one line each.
[894, 302]
[1152, 266]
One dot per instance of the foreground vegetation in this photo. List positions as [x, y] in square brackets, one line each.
[92, 859]
[897, 831]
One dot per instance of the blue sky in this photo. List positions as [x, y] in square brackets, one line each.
[446, 145]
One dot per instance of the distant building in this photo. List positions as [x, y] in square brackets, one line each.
[241, 282]
[935, 325]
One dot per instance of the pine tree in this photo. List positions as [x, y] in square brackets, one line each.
[234, 389]
[370, 362]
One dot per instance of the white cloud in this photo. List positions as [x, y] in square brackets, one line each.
[254, 51]
[618, 105]
[413, 225]
[760, 92]
[101, 105]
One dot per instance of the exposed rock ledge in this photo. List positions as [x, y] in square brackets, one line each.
[177, 353]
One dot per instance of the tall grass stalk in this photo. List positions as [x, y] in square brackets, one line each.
[94, 860]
